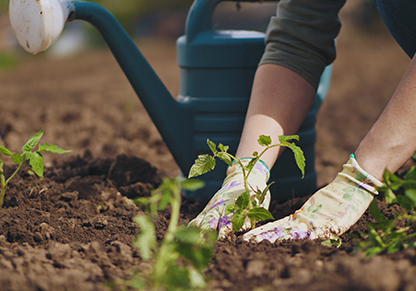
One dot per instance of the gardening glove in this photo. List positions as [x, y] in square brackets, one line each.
[213, 216]
[328, 213]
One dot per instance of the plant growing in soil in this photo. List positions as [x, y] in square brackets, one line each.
[391, 234]
[35, 159]
[246, 205]
[178, 262]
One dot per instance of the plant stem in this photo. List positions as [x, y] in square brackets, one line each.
[3, 188]
[160, 268]
[4, 183]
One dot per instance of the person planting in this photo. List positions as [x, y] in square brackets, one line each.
[299, 45]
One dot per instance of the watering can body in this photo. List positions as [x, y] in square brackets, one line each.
[217, 70]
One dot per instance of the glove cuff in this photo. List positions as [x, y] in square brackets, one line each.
[353, 172]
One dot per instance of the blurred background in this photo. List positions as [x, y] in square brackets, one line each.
[79, 95]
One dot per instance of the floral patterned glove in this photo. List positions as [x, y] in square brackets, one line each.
[328, 213]
[213, 216]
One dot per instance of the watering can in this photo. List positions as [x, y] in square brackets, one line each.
[217, 68]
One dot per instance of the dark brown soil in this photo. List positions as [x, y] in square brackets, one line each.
[73, 230]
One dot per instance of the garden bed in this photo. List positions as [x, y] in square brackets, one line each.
[73, 230]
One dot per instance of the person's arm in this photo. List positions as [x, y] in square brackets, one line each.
[392, 139]
[280, 101]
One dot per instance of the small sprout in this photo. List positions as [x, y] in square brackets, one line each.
[35, 159]
[179, 261]
[392, 233]
[246, 206]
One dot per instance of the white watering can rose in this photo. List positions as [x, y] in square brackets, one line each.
[37, 24]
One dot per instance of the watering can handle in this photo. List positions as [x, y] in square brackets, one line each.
[200, 15]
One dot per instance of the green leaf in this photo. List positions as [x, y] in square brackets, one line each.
[223, 148]
[375, 211]
[203, 164]
[411, 194]
[243, 200]
[225, 158]
[259, 214]
[52, 149]
[5, 151]
[32, 142]
[37, 163]
[194, 247]
[17, 159]
[285, 138]
[146, 239]
[264, 140]
[262, 194]
[238, 221]
[411, 174]
[212, 146]
[192, 184]
[188, 235]
[390, 196]
[230, 209]
[300, 159]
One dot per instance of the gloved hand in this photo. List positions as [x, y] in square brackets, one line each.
[213, 216]
[328, 213]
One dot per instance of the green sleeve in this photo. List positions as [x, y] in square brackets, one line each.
[302, 36]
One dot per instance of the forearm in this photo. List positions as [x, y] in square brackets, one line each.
[392, 139]
[279, 103]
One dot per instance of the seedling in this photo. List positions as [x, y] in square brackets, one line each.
[399, 232]
[246, 205]
[35, 159]
[178, 262]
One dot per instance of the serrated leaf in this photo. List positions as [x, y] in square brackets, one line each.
[223, 148]
[285, 138]
[32, 142]
[52, 149]
[5, 151]
[17, 159]
[259, 214]
[212, 146]
[238, 221]
[243, 200]
[192, 184]
[146, 239]
[203, 164]
[264, 140]
[230, 209]
[37, 163]
[300, 159]
[225, 158]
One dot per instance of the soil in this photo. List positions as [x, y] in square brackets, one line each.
[73, 230]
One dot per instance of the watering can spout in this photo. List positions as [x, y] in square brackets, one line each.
[47, 19]
[172, 118]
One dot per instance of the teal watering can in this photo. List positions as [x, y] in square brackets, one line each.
[217, 68]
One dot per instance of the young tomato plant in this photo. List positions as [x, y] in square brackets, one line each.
[35, 159]
[178, 262]
[246, 205]
[399, 232]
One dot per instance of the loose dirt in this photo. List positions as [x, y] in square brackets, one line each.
[73, 230]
